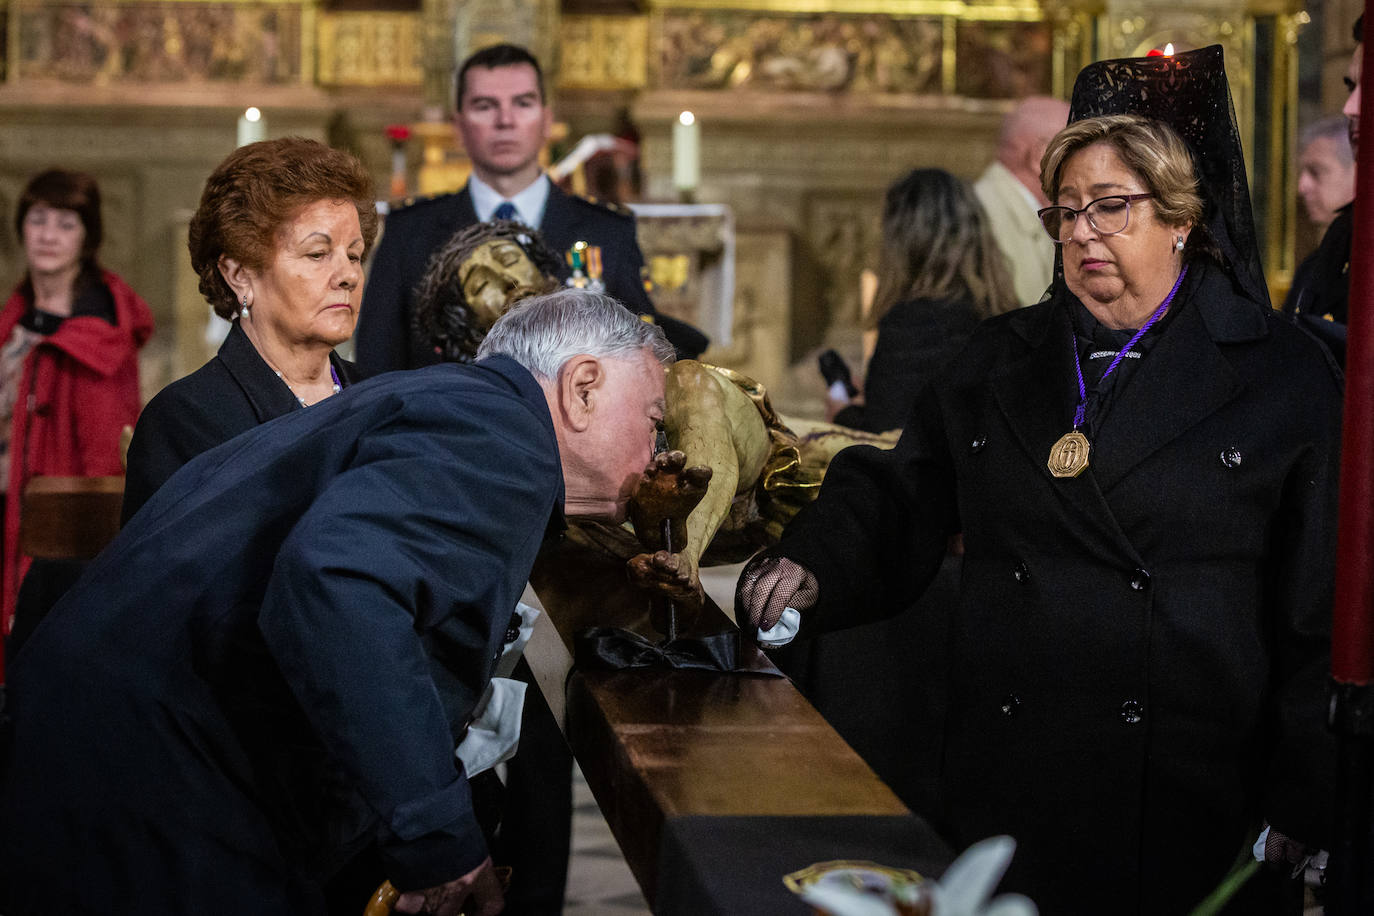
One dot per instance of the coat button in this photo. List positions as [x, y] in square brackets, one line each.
[1011, 705]
[1231, 457]
[1132, 712]
[977, 444]
[1021, 572]
[1140, 580]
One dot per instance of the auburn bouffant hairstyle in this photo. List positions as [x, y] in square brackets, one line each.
[257, 190]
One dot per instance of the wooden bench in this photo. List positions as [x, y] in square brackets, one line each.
[675, 756]
[69, 518]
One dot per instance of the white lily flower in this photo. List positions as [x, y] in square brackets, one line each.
[963, 890]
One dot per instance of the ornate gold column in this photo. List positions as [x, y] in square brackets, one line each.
[473, 24]
[1260, 42]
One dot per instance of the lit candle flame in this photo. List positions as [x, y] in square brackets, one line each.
[252, 114]
[687, 117]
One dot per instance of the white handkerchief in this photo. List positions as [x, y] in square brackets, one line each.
[513, 650]
[494, 734]
[782, 632]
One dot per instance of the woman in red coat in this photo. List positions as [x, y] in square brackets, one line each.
[69, 339]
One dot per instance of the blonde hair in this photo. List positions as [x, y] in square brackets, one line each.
[937, 245]
[1150, 149]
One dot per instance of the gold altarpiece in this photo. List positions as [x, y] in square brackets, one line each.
[808, 109]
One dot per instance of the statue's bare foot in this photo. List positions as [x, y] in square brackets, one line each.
[666, 574]
[668, 489]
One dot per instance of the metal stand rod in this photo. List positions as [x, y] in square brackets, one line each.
[670, 608]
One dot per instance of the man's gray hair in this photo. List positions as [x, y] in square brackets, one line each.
[542, 333]
[1337, 128]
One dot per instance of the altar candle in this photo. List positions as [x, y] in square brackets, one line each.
[686, 152]
[252, 127]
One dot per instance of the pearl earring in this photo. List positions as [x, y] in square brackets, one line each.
[244, 310]
[1178, 244]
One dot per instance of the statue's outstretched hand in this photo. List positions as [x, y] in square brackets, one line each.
[668, 574]
[667, 490]
[770, 586]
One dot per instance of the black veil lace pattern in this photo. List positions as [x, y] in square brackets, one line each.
[1189, 92]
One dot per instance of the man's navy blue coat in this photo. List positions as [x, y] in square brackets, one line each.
[275, 658]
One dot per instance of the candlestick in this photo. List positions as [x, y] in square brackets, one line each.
[252, 127]
[686, 152]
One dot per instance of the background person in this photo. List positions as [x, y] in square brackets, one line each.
[1009, 190]
[1319, 299]
[278, 243]
[939, 274]
[1138, 659]
[1326, 169]
[69, 339]
[502, 121]
[278, 655]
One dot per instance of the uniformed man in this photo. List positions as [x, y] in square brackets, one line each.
[503, 122]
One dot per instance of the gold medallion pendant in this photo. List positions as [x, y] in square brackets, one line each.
[1069, 456]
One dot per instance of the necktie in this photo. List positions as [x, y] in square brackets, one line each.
[505, 210]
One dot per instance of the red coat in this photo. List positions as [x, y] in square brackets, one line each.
[79, 389]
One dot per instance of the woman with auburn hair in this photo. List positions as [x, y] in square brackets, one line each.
[69, 340]
[278, 242]
[940, 273]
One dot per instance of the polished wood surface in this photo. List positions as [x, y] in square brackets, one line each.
[69, 518]
[656, 744]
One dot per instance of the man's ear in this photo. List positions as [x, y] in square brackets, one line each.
[236, 275]
[579, 383]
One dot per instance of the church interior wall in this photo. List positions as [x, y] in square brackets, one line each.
[806, 116]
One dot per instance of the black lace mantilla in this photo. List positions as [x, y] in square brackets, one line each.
[1189, 92]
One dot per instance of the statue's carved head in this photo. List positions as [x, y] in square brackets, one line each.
[474, 279]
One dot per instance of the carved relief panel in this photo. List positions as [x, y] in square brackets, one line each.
[252, 42]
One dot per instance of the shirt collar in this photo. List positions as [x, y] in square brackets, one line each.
[529, 203]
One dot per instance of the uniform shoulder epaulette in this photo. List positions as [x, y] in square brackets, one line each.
[419, 200]
[604, 205]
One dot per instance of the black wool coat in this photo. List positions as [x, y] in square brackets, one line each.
[386, 339]
[1139, 654]
[229, 395]
[274, 660]
[915, 339]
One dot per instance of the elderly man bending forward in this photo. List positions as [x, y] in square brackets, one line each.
[273, 662]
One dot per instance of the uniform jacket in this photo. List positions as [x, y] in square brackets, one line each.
[915, 340]
[79, 389]
[299, 617]
[230, 394]
[385, 337]
[1017, 231]
[1139, 654]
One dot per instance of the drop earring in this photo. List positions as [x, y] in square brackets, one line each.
[1178, 243]
[244, 311]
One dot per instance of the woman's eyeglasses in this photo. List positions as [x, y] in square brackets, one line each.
[1107, 215]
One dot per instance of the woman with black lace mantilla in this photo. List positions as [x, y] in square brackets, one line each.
[1143, 470]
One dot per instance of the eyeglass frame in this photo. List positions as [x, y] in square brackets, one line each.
[1128, 198]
